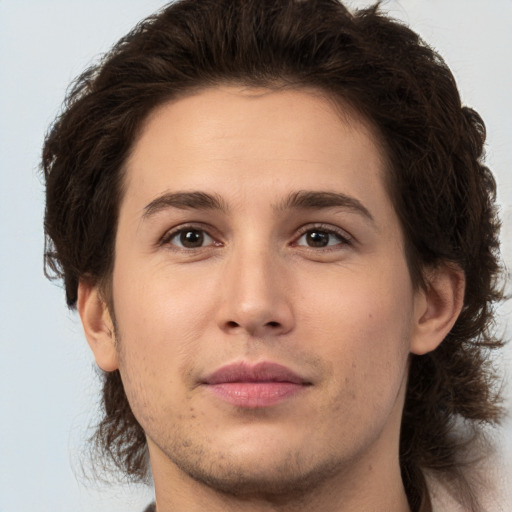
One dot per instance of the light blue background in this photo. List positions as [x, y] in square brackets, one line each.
[48, 386]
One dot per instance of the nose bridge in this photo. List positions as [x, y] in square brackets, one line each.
[255, 297]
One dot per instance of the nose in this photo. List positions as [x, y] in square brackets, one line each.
[255, 295]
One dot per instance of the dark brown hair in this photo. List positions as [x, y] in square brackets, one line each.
[442, 192]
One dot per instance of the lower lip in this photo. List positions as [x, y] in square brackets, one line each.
[253, 395]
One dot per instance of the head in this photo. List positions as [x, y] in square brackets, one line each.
[385, 87]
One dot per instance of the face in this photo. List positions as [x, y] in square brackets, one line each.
[264, 309]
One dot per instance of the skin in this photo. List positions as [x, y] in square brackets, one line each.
[344, 316]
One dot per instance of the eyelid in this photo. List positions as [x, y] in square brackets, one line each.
[171, 233]
[346, 238]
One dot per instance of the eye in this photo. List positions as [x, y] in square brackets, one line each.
[189, 238]
[319, 238]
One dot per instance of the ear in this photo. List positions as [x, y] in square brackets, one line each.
[98, 326]
[437, 307]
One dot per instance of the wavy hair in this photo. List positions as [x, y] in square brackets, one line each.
[442, 191]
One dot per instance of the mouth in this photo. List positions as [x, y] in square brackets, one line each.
[255, 386]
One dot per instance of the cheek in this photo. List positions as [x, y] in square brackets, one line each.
[162, 317]
[156, 333]
[161, 309]
[362, 327]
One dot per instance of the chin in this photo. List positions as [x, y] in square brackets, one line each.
[273, 478]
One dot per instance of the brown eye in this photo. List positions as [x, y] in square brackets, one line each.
[319, 238]
[190, 238]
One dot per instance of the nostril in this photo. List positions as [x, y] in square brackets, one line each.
[253, 326]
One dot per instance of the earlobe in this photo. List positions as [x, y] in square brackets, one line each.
[437, 307]
[98, 326]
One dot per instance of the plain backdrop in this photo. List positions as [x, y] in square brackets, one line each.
[48, 384]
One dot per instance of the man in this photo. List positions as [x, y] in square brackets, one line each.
[275, 223]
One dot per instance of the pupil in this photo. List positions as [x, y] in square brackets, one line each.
[191, 238]
[317, 239]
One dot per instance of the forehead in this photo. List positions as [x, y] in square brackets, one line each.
[236, 138]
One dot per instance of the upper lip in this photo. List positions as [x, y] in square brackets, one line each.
[247, 372]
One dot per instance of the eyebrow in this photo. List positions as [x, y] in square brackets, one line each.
[184, 201]
[300, 200]
[311, 200]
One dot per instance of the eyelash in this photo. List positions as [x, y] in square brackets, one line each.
[170, 235]
[343, 237]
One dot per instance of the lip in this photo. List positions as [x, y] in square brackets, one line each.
[255, 385]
